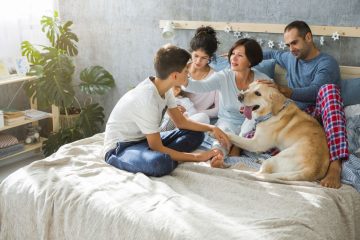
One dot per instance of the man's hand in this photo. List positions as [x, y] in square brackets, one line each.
[181, 109]
[221, 137]
[283, 89]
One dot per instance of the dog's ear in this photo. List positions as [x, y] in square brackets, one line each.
[277, 102]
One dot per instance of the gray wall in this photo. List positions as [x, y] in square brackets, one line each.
[124, 35]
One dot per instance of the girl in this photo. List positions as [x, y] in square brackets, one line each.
[203, 47]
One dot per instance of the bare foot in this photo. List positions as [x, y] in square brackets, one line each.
[332, 177]
[217, 161]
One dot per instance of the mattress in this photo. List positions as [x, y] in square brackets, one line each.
[74, 194]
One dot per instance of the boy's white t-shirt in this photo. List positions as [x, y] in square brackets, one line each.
[137, 113]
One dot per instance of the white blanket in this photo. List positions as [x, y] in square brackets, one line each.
[74, 194]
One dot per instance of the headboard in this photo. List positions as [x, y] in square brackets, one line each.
[347, 72]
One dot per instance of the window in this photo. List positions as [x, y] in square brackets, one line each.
[19, 21]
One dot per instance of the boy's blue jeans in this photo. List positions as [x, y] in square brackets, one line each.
[138, 157]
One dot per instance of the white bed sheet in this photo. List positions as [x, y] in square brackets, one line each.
[74, 194]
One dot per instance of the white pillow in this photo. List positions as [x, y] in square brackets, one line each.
[352, 110]
[352, 114]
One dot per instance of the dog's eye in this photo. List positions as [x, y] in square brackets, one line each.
[257, 93]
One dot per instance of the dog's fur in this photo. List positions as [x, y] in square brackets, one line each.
[304, 154]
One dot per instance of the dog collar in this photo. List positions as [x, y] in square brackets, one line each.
[269, 115]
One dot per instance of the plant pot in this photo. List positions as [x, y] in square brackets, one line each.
[68, 121]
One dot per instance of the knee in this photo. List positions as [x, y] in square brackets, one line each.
[331, 87]
[162, 165]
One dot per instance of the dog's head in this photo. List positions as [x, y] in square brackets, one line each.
[260, 99]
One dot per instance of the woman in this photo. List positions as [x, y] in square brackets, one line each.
[203, 47]
[243, 55]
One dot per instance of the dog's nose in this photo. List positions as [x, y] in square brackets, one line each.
[241, 97]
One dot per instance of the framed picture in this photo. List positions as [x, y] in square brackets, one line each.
[22, 65]
[4, 72]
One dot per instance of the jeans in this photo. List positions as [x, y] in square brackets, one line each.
[138, 157]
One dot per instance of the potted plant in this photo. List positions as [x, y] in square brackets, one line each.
[54, 68]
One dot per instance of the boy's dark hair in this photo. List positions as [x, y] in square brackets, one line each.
[253, 50]
[301, 26]
[205, 39]
[169, 59]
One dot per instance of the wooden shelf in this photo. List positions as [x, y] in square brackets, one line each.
[27, 148]
[54, 115]
[26, 121]
[16, 78]
[262, 27]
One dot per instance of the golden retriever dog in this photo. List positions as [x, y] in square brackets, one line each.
[304, 154]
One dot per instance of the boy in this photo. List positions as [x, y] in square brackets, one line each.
[133, 141]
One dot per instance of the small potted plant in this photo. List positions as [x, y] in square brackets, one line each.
[55, 85]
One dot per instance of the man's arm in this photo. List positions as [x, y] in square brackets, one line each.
[155, 143]
[281, 57]
[327, 73]
[186, 123]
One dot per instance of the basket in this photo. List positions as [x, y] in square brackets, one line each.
[68, 121]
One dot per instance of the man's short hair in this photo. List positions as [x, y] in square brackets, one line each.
[301, 26]
[169, 59]
[253, 50]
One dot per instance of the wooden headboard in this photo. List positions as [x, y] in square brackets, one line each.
[345, 71]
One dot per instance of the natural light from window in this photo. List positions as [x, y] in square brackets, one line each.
[20, 21]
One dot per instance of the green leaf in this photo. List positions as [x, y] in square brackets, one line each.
[64, 136]
[96, 80]
[91, 119]
[51, 27]
[54, 85]
[32, 54]
[67, 42]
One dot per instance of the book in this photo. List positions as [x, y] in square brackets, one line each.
[11, 115]
[35, 114]
[6, 151]
[16, 120]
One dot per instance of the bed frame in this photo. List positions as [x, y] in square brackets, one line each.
[262, 27]
[347, 72]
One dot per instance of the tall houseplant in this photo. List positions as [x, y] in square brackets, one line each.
[54, 68]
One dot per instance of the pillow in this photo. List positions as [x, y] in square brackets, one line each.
[267, 66]
[219, 63]
[350, 91]
[352, 114]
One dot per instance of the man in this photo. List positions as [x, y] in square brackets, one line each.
[313, 80]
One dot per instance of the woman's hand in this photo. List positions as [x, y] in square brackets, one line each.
[283, 89]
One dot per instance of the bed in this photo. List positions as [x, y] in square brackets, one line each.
[74, 194]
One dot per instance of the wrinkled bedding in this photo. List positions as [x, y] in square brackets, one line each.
[74, 194]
